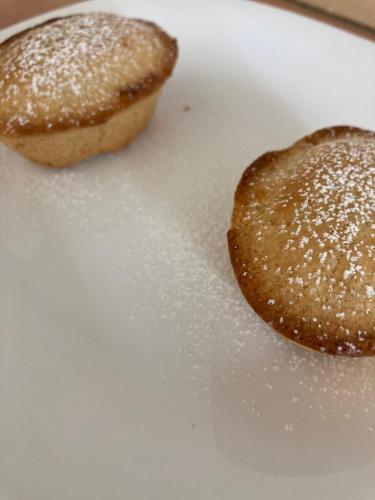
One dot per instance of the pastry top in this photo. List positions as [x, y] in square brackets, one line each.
[79, 70]
[302, 240]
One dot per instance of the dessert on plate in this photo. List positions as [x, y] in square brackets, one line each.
[80, 85]
[302, 240]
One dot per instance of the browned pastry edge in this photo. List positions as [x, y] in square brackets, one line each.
[252, 289]
[125, 96]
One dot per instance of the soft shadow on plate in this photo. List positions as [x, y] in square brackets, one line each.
[282, 402]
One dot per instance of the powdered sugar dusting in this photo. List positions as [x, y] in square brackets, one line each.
[74, 68]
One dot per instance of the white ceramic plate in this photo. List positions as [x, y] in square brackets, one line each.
[131, 367]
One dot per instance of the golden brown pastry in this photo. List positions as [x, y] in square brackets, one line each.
[302, 240]
[80, 85]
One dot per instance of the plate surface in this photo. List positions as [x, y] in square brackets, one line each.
[130, 365]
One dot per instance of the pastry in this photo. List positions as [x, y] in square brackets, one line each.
[80, 85]
[302, 240]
